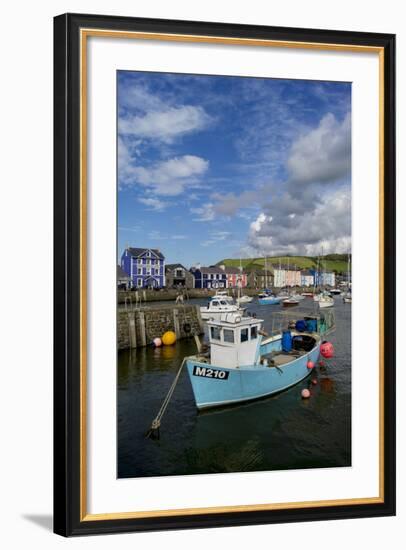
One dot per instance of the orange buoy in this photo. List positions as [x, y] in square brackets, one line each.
[327, 350]
[310, 365]
[169, 338]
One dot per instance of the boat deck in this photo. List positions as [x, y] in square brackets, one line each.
[278, 358]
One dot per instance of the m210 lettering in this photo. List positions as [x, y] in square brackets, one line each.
[210, 373]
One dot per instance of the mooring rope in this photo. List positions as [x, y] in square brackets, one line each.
[156, 423]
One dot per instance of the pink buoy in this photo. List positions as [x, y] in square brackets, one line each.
[310, 365]
[327, 350]
[321, 363]
[305, 394]
[314, 381]
[157, 342]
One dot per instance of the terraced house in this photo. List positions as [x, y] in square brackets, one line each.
[144, 266]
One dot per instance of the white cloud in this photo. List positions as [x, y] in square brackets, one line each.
[153, 203]
[327, 225]
[205, 213]
[170, 177]
[165, 125]
[324, 154]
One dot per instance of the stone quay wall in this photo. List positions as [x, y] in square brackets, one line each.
[138, 327]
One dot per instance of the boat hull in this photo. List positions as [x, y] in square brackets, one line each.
[269, 301]
[215, 386]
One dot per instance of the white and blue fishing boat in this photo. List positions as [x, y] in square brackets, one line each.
[242, 364]
[267, 298]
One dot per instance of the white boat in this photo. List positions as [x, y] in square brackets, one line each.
[221, 295]
[215, 308]
[244, 299]
[290, 302]
[297, 297]
[325, 301]
[335, 291]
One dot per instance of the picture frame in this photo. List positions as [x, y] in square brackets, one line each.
[72, 280]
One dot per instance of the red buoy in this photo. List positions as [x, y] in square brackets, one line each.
[327, 350]
[314, 381]
[310, 365]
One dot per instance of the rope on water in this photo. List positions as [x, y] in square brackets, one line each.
[153, 432]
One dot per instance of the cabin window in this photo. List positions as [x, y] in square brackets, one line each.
[223, 303]
[215, 333]
[228, 335]
[215, 303]
[254, 332]
[244, 335]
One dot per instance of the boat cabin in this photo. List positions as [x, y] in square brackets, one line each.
[234, 340]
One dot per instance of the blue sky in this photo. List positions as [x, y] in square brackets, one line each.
[212, 166]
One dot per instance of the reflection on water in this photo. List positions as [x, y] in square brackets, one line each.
[280, 432]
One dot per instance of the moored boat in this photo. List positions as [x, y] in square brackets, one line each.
[242, 365]
[244, 299]
[269, 300]
[215, 308]
[325, 301]
[290, 302]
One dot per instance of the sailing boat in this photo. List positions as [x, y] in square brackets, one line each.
[324, 299]
[347, 296]
[266, 298]
[242, 298]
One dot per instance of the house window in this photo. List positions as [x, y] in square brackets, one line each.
[244, 335]
[156, 271]
[215, 333]
[139, 282]
[148, 253]
[228, 335]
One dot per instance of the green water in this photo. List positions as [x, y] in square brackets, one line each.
[277, 433]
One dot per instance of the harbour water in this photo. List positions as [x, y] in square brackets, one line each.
[277, 433]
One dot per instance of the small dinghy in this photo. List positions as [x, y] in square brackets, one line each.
[242, 364]
[290, 302]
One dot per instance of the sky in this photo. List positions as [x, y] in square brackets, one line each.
[213, 167]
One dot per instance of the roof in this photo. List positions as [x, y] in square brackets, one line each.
[170, 267]
[121, 274]
[139, 251]
[307, 272]
[211, 269]
[232, 270]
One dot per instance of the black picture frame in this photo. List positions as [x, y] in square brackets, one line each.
[68, 519]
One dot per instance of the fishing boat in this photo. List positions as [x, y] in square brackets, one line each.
[222, 295]
[215, 308]
[307, 294]
[290, 302]
[242, 364]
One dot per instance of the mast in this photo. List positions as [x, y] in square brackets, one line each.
[266, 273]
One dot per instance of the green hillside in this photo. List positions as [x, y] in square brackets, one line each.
[330, 262]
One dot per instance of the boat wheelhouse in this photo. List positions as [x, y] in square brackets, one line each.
[242, 364]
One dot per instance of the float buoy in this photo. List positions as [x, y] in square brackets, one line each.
[314, 381]
[305, 394]
[327, 350]
[310, 365]
[157, 342]
[321, 364]
[169, 338]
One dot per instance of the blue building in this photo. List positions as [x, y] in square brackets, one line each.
[209, 277]
[323, 278]
[144, 266]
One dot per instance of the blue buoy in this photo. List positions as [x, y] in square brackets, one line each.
[286, 341]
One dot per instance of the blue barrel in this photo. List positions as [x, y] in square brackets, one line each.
[286, 341]
[301, 325]
[311, 325]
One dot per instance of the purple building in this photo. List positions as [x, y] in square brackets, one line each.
[144, 266]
